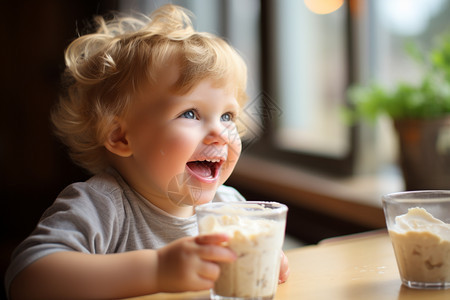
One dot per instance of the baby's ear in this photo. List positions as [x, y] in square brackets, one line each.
[117, 142]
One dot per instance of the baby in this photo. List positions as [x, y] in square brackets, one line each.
[150, 108]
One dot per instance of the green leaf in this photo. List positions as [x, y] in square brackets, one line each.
[430, 98]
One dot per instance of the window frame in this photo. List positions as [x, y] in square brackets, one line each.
[265, 146]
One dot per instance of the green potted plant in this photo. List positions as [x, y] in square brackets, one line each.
[421, 117]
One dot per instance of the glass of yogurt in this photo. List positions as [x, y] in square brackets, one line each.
[256, 231]
[419, 228]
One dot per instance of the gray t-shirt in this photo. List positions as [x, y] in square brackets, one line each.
[104, 215]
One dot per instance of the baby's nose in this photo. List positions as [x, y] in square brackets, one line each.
[217, 134]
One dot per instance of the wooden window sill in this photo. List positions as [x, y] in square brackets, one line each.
[356, 199]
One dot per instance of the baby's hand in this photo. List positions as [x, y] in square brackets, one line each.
[190, 264]
[284, 269]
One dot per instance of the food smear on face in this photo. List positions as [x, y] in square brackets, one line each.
[422, 246]
[257, 245]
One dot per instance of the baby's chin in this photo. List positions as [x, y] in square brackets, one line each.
[205, 196]
[192, 196]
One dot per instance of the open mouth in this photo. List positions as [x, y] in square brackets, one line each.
[205, 170]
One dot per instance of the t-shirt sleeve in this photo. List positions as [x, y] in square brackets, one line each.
[81, 219]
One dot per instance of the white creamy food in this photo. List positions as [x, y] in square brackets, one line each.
[257, 244]
[422, 246]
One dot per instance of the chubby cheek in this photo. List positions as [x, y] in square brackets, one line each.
[163, 155]
[175, 150]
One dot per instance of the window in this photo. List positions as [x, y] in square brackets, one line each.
[307, 67]
[313, 59]
[385, 28]
[312, 67]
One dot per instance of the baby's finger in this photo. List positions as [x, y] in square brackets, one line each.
[201, 283]
[284, 269]
[216, 253]
[209, 270]
[215, 238]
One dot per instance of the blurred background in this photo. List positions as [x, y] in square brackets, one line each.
[298, 148]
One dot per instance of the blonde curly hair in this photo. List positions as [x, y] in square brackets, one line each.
[106, 68]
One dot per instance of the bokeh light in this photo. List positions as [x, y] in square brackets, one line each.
[323, 6]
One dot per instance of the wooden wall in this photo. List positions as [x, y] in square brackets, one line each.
[34, 166]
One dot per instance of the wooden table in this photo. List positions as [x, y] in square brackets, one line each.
[353, 267]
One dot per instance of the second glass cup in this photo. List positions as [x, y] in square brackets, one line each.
[418, 224]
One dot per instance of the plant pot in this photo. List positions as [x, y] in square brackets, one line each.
[424, 152]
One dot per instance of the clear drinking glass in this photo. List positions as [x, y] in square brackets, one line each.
[418, 224]
[256, 231]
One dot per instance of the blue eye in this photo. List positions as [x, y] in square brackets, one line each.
[190, 114]
[227, 117]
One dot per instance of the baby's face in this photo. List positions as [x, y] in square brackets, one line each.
[184, 146]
